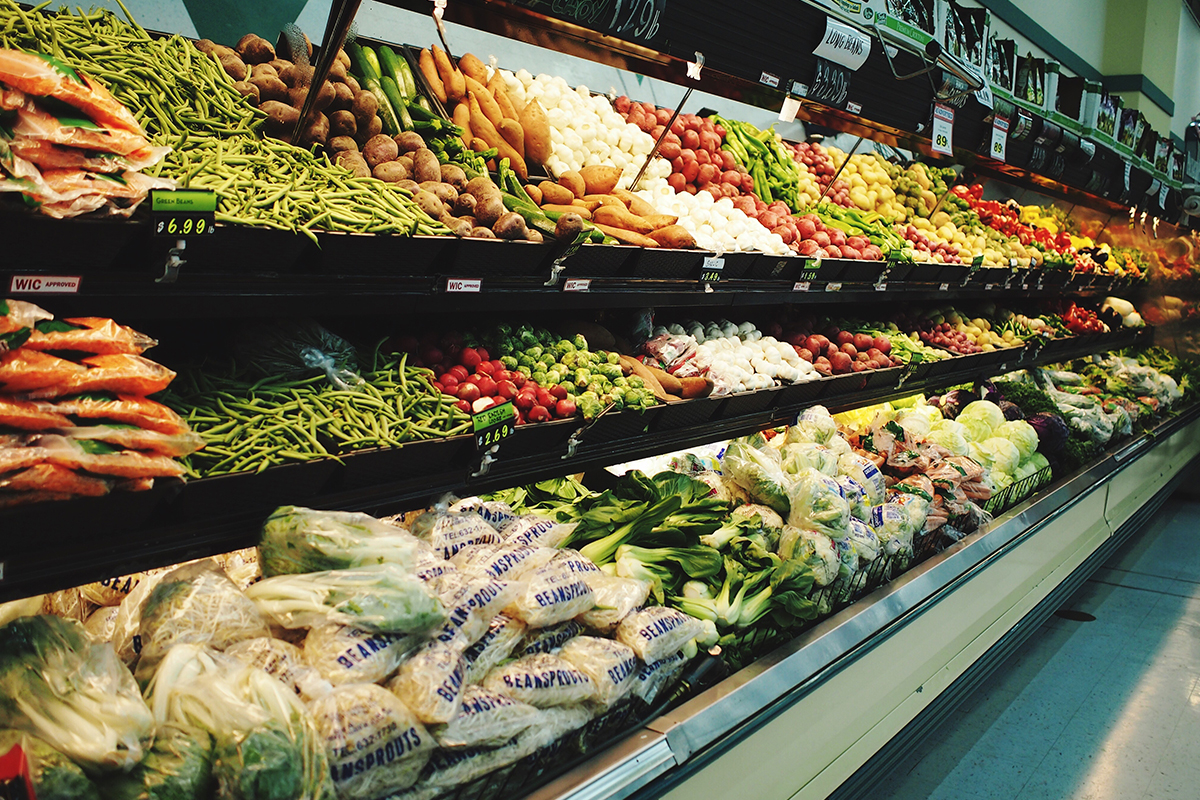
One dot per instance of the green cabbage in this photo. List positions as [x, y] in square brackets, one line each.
[817, 504]
[984, 410]
[950, 439]
[998, 455]
[801, 455]
[975, 429]
[1020, 433]
[918, 421]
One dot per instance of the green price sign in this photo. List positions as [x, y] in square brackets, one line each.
[183, 212]
[492, 425]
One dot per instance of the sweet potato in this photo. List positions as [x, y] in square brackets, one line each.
[472, 67]
[622, 218]
[674, 236]
[659, 220]
[487, 103]
[590, 205]
[429, 72]
[462, 118]
[668, 381]
[554, 194]
[573, 181]
[512, 133]
[482, 127]
[535, 194]
[628, 237]
[695, 387]
[506, 104]
[452, 79]
[536, 125]
[635, 204]
[603, 200]
[571, 209]
[643, 372]
[600, 179]
[496, 82]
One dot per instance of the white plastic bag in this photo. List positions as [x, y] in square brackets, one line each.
[345, 654]
[486, 719]
[542, 680]
[610, 664]
[656, 632]
[430, 682]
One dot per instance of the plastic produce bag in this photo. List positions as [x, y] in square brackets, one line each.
[68, 604]
[471, 603]
[814, 425]
[375, 744]
[486, 719]
[101, 624]
[265, 744]
[119, 373]
[430, 682]
[656, 632]
[448, 533]
[795, 457]
[345, 654]
[195, 604]
[111, 591]
[576, 562]
[503, 634]
[382, 597]
[865, 473]
[856, 497]
[536, 531]
[25, 607]
[174, 445]
[493, 512]
[26, 371]
[59, 685]
[614, 599]
[28, 415]
[18, 315]
[95, 335]
[651, 679]
[293, 350]
[548, 640]
[542, 680]
[866, 543]
[296, 540]
[758, 472]
[817, 504]
[178, 767]
[505, 562]
[430, 567]
[551, 595]
[52, 775]
[611, 665]
[284, 661]
[125, 408]
[893, 526]
[813, 548]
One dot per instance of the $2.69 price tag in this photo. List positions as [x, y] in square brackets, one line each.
[943, 129]
[492, 425]
[183, 212]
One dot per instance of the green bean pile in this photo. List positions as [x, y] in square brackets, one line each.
[249, 425]
[186, 101]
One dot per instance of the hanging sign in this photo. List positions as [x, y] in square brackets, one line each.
[943, 129]
[999, 148]
[843, 45]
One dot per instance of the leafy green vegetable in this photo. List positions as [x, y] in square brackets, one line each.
[603, 550]
[298, 540]
[178, 767]
[1028, 396]
[54, 776]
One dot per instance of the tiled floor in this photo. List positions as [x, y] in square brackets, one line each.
[1101, 710]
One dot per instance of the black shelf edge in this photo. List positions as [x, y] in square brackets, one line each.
[57, 546]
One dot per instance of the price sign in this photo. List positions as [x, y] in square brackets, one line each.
[183, 212]
[577, 285]
[881, 286]
[1162, 196]
[456, 285]
[15, 777]
[945, 287]
[710, 271]
[999, 139]
[844, 45]
[833, 287]
[943, 129]
[800, 286]
[768, 79]
[492, 425]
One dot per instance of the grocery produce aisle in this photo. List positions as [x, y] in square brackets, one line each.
[1098, 709]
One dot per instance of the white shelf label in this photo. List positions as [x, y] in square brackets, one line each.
[999, 139]
[943, 129]
[457, 285]
[801, 286]
[833, 287]
[577, 285]
[770, 80]
[45, 284]
[881, 287]
[843, 45]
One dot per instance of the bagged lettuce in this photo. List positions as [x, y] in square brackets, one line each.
[611, 665]
[856, 497]
[52, 775]
[864, 472]
[796, 457]
[817, 504]
[758, 471]
[866, 542]
[344, 654]
[814, 425]
[486, 719]
[813, 548]
[298, 540]
[375, 745]
[430, 682]
[542, 680]
[380, 597]
[178, 767]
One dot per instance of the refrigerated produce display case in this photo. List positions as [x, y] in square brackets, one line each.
[507, 439]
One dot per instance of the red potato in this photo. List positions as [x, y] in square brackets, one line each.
[469, 392]
[822, 239]
[669, 150]
[858, 366]
[538, 413]
[558, 392]
[691, 139]
[805, 353]
[728, 161]
[663, 115]
[703, 157]
[844, 337]
[676, 181]
[840, 362]
[710, 141]
[707, 125]
[823, 366]
[884, 344]
[731, 176]
[623, 104]
[849, 350]
[850, 252]
[690, 171]
[837, 237]
[832, 251]
[708, 173]
[786, 233]
[694, 123]
[730, 191]
[747, 183]
[657, 132]
[863, 341]
[678, 127]
[769, 219]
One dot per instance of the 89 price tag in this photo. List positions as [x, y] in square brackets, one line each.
[183, 212]
[943, 129]
[999, 138]
[493, 425]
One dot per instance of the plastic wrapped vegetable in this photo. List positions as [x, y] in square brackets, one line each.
[795, 457]
[1020, 433]
[552, 594]
[471, 603]
[757, 471]
[178, 767]
[866, 543]
[493, 512]
[548, 640]
[611, 665]
[486, 718]
[817, 504]
[542, 680]
[893, 527]
[265, 746]
[812, 548]
[296, 540]
[656, 632]
[447, 533]
[814, 424]
[430, 682]
[865, 473]
[381, 597]
[998, 455]
[59, 685]
[614, 599]
[856, 497]
[345, 654]
[535, 531]
[285, 661]
[375, 745]
[503, 634]
[52, 775]
[195, 604]
[504, 562]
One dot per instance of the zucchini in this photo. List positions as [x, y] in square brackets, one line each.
[424, 103]
[410, 83]
[391, 125]
[373, 60]
[403, 119]
[390, 67]
[359, 59]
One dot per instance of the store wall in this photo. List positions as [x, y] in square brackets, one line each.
[1187, 74]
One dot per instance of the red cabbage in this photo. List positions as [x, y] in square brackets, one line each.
[1052, 432]
[1011, 410]
[954, 401]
